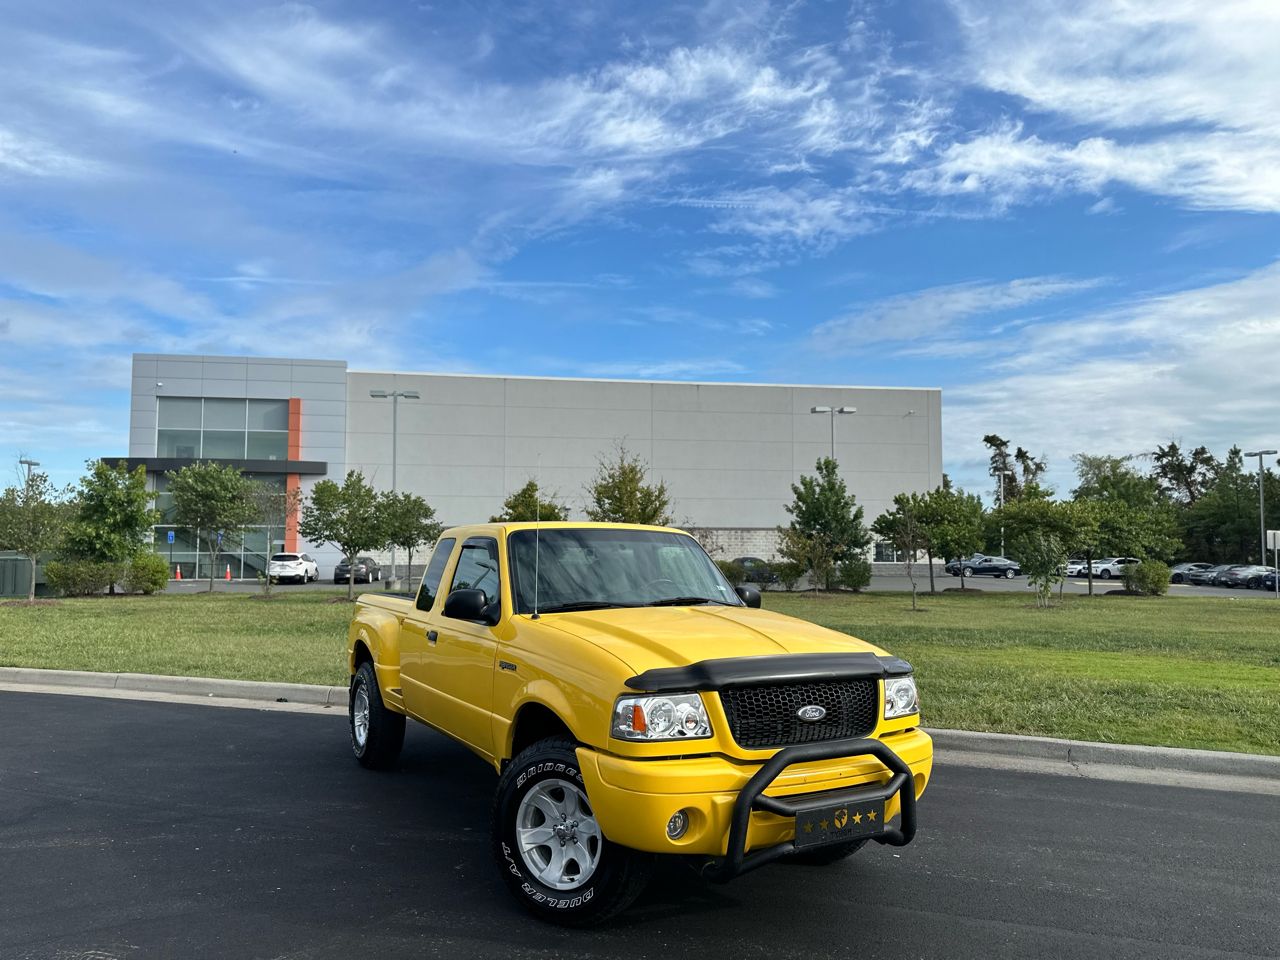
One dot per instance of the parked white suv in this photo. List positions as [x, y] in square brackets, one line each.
[293, 566]
[1113, 566]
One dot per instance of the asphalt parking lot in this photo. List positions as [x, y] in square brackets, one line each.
[135, 829]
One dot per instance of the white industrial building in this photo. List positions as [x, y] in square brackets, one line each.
[728, 453]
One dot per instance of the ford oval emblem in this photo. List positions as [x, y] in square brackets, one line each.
[812, 713]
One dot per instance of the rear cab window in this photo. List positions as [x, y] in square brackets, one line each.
[430, 585]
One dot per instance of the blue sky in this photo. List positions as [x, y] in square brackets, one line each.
[1066, 215]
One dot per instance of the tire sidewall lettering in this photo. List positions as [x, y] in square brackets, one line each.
[515, 865]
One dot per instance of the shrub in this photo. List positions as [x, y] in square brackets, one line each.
[789, 573]
[854, 573]
[80, 578]
[733, 571]
[147, 573]
[1149, 578]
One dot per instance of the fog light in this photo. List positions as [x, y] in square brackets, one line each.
[678, 825]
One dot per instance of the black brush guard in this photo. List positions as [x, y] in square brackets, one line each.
[737, 861]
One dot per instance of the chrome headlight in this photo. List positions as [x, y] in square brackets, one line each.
[900, 697]
[672, 716]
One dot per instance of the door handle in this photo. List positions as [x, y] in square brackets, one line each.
[431, 636]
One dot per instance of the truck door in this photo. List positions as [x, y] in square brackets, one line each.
[414, 629]
[458, 663]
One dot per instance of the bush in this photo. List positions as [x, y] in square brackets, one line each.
[789, 573]
[1149, 578]
[80, 578]
[854, 573]
[147, 573]
[733, 571]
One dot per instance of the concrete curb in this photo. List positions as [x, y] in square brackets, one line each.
[960, 744]
[1078, 753]
[184, 686]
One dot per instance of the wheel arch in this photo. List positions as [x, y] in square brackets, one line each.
[535, 720]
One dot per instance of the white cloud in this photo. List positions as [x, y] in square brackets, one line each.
[664, 369]
[1196, 364]
[938, 310]
[1180, 97]
[753, 288]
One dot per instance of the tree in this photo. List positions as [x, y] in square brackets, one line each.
[619, 494]
[956, 521]
[410, 522]
[274, 507]
[1020, 466]
[903, 527]
[352, 517]
[33, 520]
[826, 528]
[1115, 479]
[1040, 532]
[526, 505]
[215, 501]
[1184, 477]
[114, 516]
[1222, 525]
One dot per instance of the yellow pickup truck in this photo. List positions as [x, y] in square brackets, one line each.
[635, 703]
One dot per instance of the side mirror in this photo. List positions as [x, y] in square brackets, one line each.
[467, 605]
[748, 595]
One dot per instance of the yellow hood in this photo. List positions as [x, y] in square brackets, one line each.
[651, 637]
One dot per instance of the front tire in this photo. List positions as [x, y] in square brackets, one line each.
[553, 856]
[1009, 574]
[377, 734]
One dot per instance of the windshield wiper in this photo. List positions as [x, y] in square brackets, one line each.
[686, 602]
[585, 605]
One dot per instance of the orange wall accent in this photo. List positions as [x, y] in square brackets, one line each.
[291, 484]
[295, 428]
[292, 481]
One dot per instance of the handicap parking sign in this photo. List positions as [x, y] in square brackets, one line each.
[171, 536]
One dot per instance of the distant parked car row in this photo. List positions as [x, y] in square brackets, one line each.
[981, 565]
[302, 568]
[1244, 575]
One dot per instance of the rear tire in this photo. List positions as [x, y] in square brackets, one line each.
[1177, 578]
[825, 856]
[1105, 574]
[968, 571]
[377, 734]
[597, 879]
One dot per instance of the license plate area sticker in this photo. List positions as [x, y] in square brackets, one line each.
[839, 822]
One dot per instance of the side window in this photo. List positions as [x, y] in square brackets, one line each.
[435, 570]
[478, 567]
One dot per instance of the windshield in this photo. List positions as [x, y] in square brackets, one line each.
[285, 556]
[590, 568]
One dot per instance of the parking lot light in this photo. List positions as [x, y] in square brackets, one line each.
[833, 412]
[1262, 504]
[395, 396]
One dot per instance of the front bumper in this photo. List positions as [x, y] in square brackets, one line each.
[743, 814]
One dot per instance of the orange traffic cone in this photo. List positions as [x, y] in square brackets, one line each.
[179, 574]
[228, 576]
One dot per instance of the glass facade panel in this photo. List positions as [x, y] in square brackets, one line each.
[268, 445]
[178, 413]
[223, 443]
[223, 414]
[178, 443]
[269, 415]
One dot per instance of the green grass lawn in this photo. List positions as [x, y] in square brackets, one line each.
[1195, 672]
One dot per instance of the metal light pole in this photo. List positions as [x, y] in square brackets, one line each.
[395, 396]
[1262, 503]
[832, 411]
[30, 465]
[1002, 474]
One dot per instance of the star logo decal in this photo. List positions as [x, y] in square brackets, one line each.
[808, 827]
[871, 814]
[857, 817]
[822, 824]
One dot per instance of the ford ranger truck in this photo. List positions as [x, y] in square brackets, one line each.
[635, 704]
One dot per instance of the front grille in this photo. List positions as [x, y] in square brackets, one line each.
[767, 716]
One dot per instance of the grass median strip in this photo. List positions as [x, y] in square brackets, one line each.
[1190, 672]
